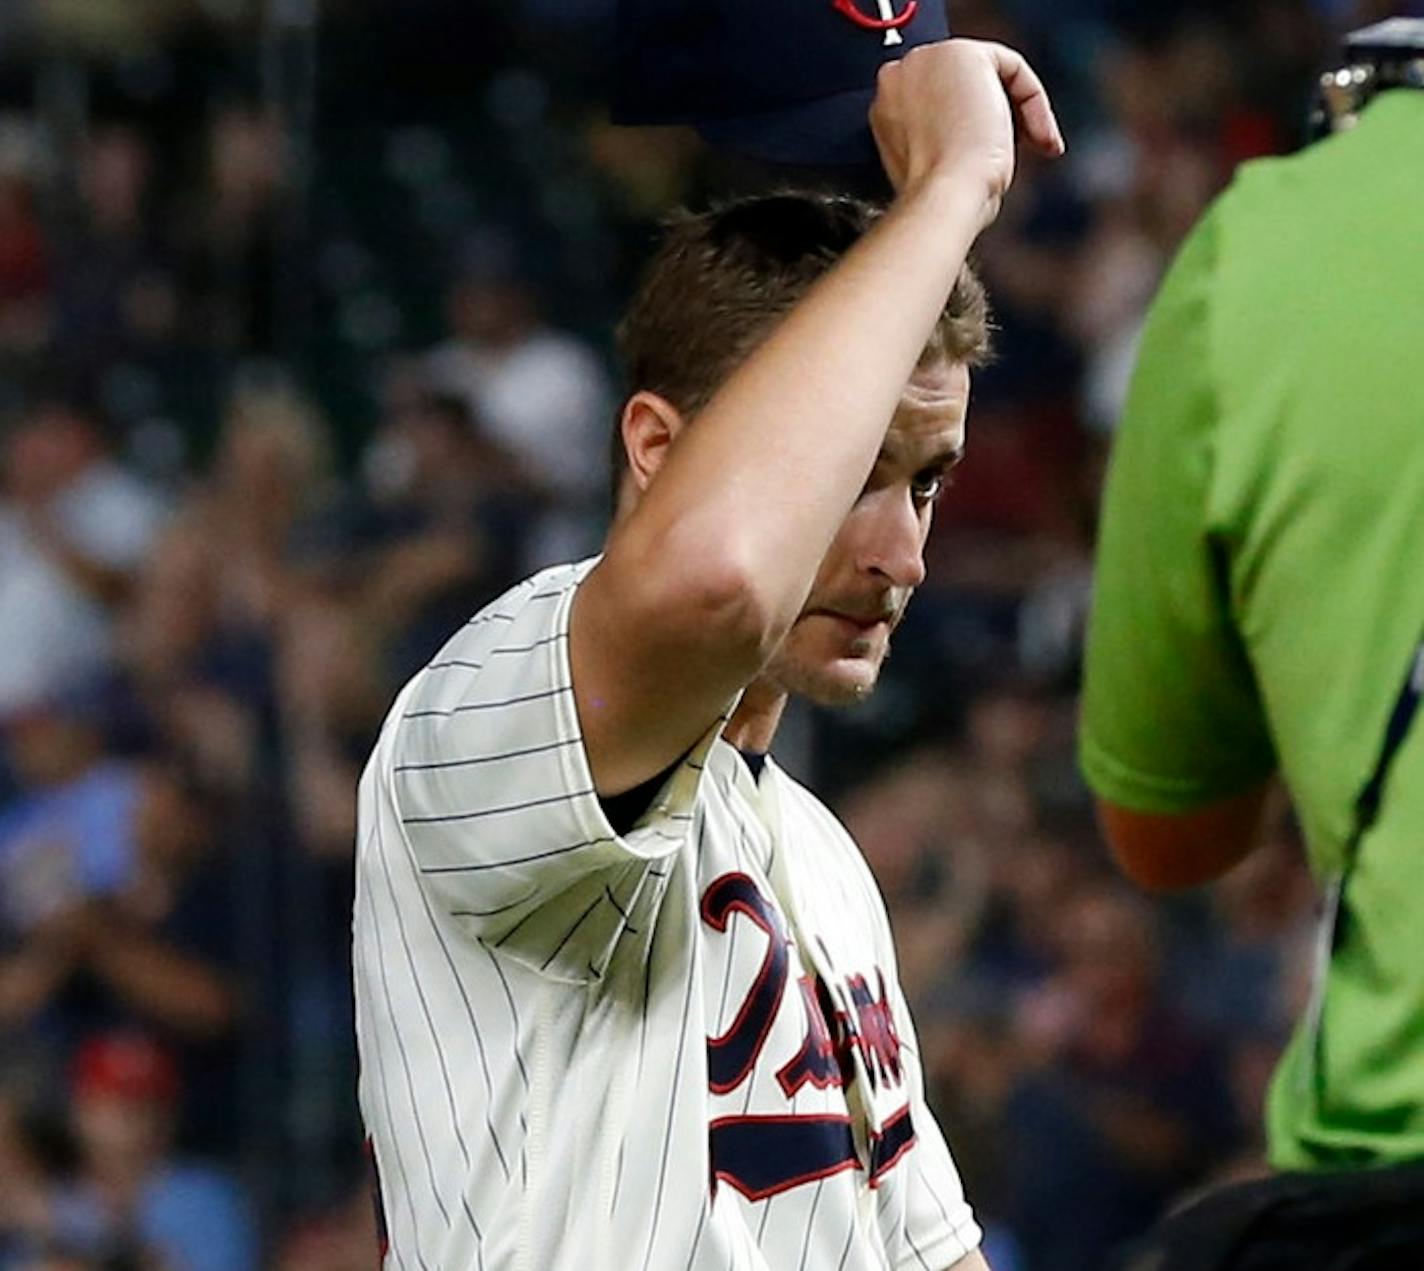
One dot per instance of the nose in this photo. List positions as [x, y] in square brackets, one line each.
[892, 545]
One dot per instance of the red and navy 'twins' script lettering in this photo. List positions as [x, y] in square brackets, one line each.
[765, 1154]
[874, 1031]
[730, 1057]
[817, 1062]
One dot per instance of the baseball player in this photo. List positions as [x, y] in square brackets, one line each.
[626, 994]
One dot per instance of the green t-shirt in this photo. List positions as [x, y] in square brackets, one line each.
[1260, 582]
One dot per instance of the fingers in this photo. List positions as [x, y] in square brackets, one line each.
[958, 103]
[1030, 100]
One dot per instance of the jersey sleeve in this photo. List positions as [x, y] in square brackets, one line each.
[490, 784]
[1171, 715]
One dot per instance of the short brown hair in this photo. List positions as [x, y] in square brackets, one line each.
[721, 280]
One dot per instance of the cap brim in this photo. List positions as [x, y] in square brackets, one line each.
[830, 132]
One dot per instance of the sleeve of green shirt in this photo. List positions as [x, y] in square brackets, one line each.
[1171, 716]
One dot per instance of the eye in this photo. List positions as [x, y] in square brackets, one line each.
[927, 486]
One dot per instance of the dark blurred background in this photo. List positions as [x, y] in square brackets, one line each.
[305, 332]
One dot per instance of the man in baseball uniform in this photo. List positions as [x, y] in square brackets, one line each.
[626, 994]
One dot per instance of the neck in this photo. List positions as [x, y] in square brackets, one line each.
[754, 722]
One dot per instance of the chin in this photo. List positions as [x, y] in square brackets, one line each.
[843, 682]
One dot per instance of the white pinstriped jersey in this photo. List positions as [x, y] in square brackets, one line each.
[677, 1049]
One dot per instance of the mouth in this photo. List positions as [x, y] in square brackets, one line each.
[860, 625]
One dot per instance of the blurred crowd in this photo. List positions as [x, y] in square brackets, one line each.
[219, 557]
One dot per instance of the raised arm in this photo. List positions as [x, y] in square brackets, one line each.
[703, 578]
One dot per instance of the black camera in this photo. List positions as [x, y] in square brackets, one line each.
[1389, 54]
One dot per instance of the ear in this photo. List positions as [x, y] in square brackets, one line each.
[649, 425]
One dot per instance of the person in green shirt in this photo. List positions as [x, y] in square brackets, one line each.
[1259, 603]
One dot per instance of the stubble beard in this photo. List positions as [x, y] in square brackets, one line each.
[820, 684]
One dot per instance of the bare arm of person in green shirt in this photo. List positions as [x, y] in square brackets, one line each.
[1171, 851]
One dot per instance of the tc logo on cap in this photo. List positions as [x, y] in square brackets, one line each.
[889, 21]
[789, 81]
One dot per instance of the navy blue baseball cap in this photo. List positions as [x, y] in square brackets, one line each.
[789, 81]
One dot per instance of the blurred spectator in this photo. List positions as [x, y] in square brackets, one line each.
[442, 521]
[229, 234]
[154, 948]
[198, 667]
[25, 267]
[1246, 983]
[74, 529]
[65, 842]
[129, 1191]
[331, 704]
[1121, 1103]
[271, 477]
[540, 393]
[117, 910]
[116, 291]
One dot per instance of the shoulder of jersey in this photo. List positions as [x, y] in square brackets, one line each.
[526, 618]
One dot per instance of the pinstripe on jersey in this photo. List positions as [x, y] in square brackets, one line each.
[681, 1048]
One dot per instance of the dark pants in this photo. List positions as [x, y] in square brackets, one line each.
[1365, 1220]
